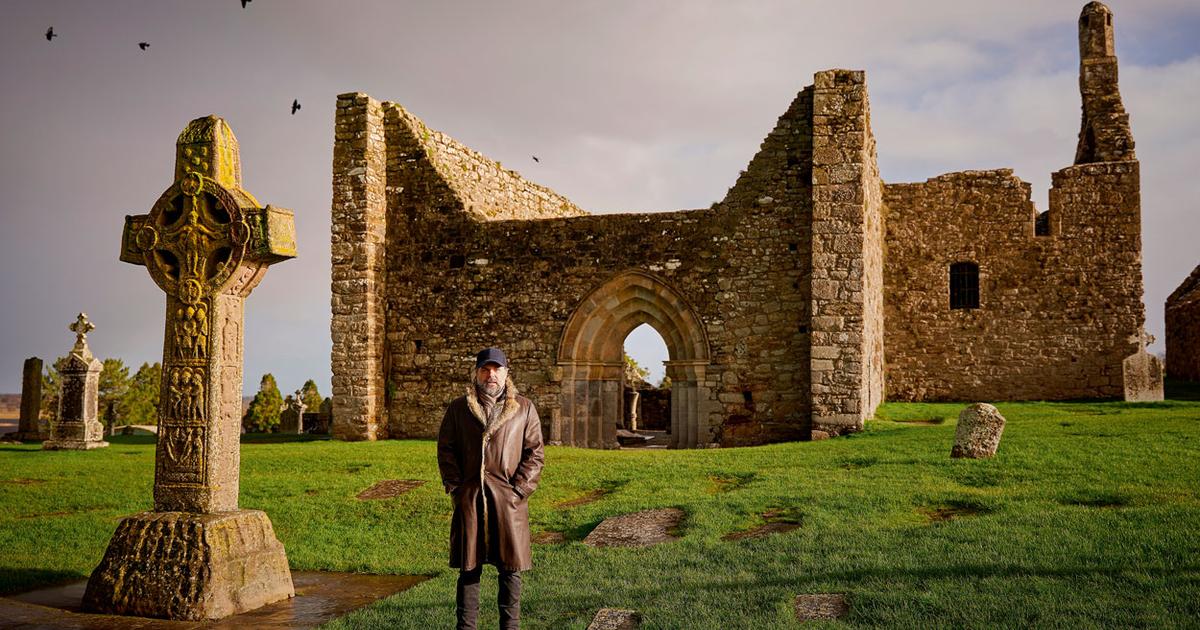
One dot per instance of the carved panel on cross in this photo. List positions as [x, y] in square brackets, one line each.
[181, 454]
[185, 400]
[191, 331]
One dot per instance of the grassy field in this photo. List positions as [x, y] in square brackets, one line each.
[1089, 517]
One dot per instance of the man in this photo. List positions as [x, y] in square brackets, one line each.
[490, 457]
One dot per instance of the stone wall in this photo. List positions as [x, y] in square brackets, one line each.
[1058, 314]
[1183, 329]
[477, 257]
[847, 257]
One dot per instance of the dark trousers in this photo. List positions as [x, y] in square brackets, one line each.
[466, 599]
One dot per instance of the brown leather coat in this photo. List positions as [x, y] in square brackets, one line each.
[490, 527]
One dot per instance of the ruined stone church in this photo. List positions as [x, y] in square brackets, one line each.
[798, 302]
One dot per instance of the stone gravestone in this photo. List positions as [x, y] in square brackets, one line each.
[978, 434]
[292, 418]
[29, 427]
[1143, 374]
[78, 427]
[206, 243]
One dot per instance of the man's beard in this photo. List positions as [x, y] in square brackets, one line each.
[492, 388]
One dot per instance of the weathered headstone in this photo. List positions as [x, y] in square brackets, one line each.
[978, 434]
[1143, 374]
[206, 243]
[78, 427]
[29, 426]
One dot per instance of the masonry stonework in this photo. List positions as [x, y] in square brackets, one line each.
[785, 307]
[1183, 329]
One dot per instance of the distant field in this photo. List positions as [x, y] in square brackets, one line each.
[1089, 517]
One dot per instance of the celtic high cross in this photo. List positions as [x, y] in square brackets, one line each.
[207, 243]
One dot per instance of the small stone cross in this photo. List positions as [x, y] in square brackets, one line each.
[81, 328]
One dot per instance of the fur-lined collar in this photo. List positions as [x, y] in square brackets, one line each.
[511, 407]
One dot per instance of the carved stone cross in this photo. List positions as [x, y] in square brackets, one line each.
[207, 243]
[81, 328]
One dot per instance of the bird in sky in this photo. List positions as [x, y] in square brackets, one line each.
[295, 102]
[143, 45]
[50, 34]
[245, 2]
[535, 159]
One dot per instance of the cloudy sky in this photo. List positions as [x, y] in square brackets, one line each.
[631, 105]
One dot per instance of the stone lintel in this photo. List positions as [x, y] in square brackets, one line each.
[178, 565]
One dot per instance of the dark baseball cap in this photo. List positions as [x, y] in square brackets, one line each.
[491, 355]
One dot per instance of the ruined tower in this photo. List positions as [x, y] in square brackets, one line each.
[1104, 134]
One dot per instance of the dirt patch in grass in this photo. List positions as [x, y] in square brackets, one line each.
[776, 521]
[20, 481]
[590, 497]
[389, 488]
[640, 529]
[952, 510]
[549, 538]
[924, 422]
[721, 483]
[817, 606]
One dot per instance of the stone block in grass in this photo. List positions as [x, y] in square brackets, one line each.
[616, 619]
[640, 529]
[818, 606]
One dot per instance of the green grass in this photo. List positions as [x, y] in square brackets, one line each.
[1089, 517]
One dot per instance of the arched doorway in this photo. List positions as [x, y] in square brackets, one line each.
[591, 360]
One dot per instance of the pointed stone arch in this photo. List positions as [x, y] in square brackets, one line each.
[591, 360]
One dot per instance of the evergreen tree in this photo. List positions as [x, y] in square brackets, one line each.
[114, 382]
[263, 414]
[139, 405]
[51, 387]
[310, 396]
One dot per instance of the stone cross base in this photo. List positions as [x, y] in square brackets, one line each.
[178, 565]
[75, 436]
[67, 444]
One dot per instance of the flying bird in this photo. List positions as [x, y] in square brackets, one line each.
[50, 34]
[143, 45]
[245, 2]
[535, 159]
[295, 103]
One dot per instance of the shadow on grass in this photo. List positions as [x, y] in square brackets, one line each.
[130, 440]
[15, 580]
[582, 605]
[281, 438]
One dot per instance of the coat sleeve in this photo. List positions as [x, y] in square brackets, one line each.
[529, 471]
[447, 453]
